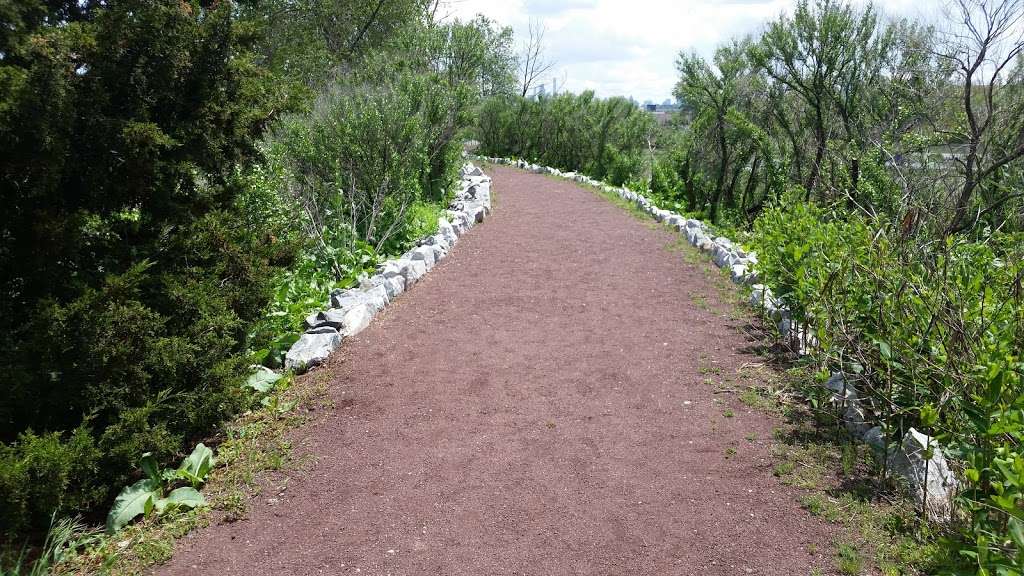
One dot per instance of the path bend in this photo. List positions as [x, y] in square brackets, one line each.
[534, 406]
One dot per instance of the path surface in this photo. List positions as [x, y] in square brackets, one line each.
[536, 405]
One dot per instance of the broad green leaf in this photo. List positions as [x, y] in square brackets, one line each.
[197, 465]
[1017, 532]
[262, 380]
[149, 466]
[132, 501]
[184, 497]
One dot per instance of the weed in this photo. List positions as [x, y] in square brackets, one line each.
[850, 561]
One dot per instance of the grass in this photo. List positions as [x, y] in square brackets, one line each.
[838, 482]
[254, 443]
[849, 560]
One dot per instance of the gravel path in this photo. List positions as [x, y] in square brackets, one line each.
[536, 405]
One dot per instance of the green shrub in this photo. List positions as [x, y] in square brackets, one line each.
[41, 474]
[934, 332]
[604, 138]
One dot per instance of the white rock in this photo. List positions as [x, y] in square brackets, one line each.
[423, 253]
[377, 297]
[346, 298]
[760, 296]
[393, 285]
[722, 255]
[738, 273]
[311, 350]
[356, 319]
[444, 228]
[412, 270]
[931, 481]
[332, 318]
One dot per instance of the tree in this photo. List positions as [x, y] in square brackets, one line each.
[992, 103]
[713, 92]
[819, 53]
[126, 280]
[533, 63]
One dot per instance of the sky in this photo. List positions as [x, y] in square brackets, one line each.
[629, 47]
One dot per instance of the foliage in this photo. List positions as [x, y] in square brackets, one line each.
[64, 536]
[153, 246]
[932, 333]
[127, 276]
[606, 139]
[154, 494]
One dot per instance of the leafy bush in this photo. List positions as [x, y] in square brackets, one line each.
[40, 474]
[153, 243]
[606, 139]
[934, 333]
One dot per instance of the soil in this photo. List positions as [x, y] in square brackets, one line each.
[537, 404]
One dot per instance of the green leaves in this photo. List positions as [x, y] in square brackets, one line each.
[135, 500]
[262, 380]
[147, 495]
[196, 467]
[184, 497]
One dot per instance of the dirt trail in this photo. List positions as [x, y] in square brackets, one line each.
[536, 405]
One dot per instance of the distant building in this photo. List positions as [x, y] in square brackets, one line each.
[662, 112]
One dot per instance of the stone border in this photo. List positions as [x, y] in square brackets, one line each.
[350, 311]
[932, 483]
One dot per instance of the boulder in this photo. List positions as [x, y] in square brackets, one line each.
[738, 273]
[332, 318]
[322, 330]
[439, 253]
[761, 296]
[423, 253]
[412, 270]
[785, 327]
[444, 228]
[356, 318]
[476, 213]
[438, 240]
[311, 350]
[347, 298]
[722, 255]
[393, 285]
[931, 481]
[377, 297]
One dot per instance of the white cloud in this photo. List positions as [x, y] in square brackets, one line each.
[629, 47]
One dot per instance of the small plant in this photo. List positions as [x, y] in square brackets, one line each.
[730, 452]
[154, 494]
[728, 414]
[850, 561]
[64, 536]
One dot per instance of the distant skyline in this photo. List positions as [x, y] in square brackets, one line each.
[629, 47]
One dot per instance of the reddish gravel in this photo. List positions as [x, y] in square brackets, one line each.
[534, 406]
